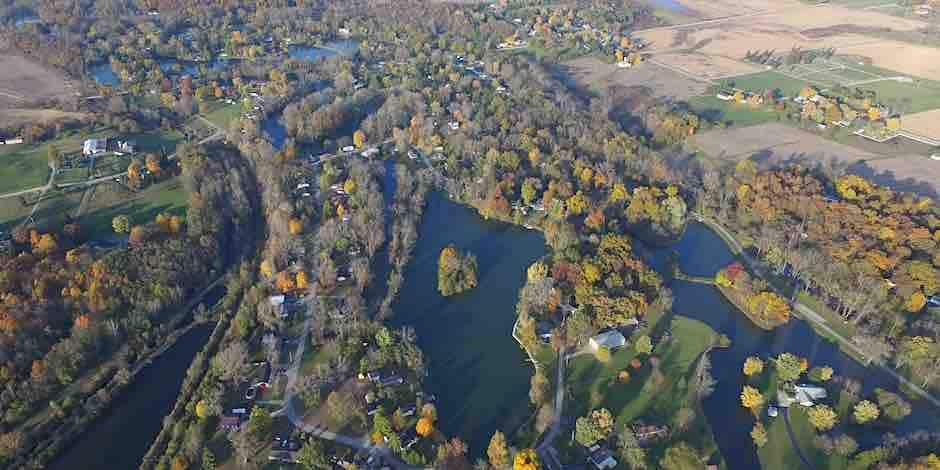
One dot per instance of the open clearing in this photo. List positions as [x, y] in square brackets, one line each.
[593, 74]
[23, 81]
[774, 144]
[758, 25]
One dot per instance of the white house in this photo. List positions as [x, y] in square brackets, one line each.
[610, 340]
[95, 146]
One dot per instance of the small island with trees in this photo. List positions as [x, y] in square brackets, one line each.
[456, 271]
[763, 307]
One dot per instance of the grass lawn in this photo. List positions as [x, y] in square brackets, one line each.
[221, 113]
[595, 385]
[733, 114]
[109, 200]
[779, 452]
[105, 201]
[27, 166]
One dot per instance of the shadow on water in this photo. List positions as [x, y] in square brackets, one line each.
[477, 370]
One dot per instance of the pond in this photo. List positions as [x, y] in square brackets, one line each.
[672, 6]
[702, 253]
[330, 49]
[121, 436]
[477, 370]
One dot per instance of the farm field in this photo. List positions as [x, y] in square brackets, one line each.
[23, 81]
[926, 123]
[766, 80]
[776, 143]
[759, 26]
[591, 73]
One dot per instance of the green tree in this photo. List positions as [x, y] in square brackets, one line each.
[759, 435]
[312, 456]
[681, 456]
[865, 411]
[788, 367]
[208, 459]
[260, 424]
[121, 224]
[644, 345]
[594, 427]
[629, 449]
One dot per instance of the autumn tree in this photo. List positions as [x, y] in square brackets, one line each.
[424, 427]
[753, 366]
[526, 459]
[752, 399]
[594, 427]
[788, 367]
[865, 411]
[822, 417]
[759, 435]
[359, 139]
[498, 452]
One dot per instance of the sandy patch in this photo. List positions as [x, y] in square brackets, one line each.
[776, 143]
[18, 117]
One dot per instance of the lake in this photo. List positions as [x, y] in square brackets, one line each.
[481, 376]
[477, 370]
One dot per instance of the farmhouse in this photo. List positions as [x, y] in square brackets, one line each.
[94, 146]
[601, 457]
[610, 340]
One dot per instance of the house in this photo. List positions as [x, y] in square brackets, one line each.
[725, 95]
[392, 380]
[609, 340]
[408, 438]
[647, 433]
[409, 410]
[94, 146]
[601, 457]
[807, 395]
[231, 422]
[126, 146]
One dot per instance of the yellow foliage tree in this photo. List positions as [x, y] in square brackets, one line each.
[526, 459]
[295, 226]
[751, 398]
[753, 365]
[284, 282]
[349, 186]
[425, 427]
[302, 281]
[267, 269]
[916, 302]
[359, 139]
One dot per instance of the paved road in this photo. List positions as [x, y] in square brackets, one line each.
[796, 446]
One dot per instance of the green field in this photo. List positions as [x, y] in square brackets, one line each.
[736, 114]
[768, 80]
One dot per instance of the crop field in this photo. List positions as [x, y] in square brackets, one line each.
[767, 80]
[23, 81]
[780, 26]
[774, 144]
[593, 74]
